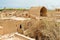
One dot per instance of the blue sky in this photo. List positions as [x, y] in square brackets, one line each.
[50, 4]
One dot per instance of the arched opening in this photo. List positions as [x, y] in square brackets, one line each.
[43, 11]
[20, 26]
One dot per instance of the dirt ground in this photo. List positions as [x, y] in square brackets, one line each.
[15, 36]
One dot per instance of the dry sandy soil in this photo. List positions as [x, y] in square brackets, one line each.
[15, 36]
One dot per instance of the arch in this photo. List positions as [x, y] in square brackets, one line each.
[20, 26]
[43, 11]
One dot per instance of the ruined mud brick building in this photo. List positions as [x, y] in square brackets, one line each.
[27, 27]
[38, 11]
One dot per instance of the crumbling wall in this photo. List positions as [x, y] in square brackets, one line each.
[9, 26]
[43, 30]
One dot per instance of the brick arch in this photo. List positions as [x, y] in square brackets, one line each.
[43, 11]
